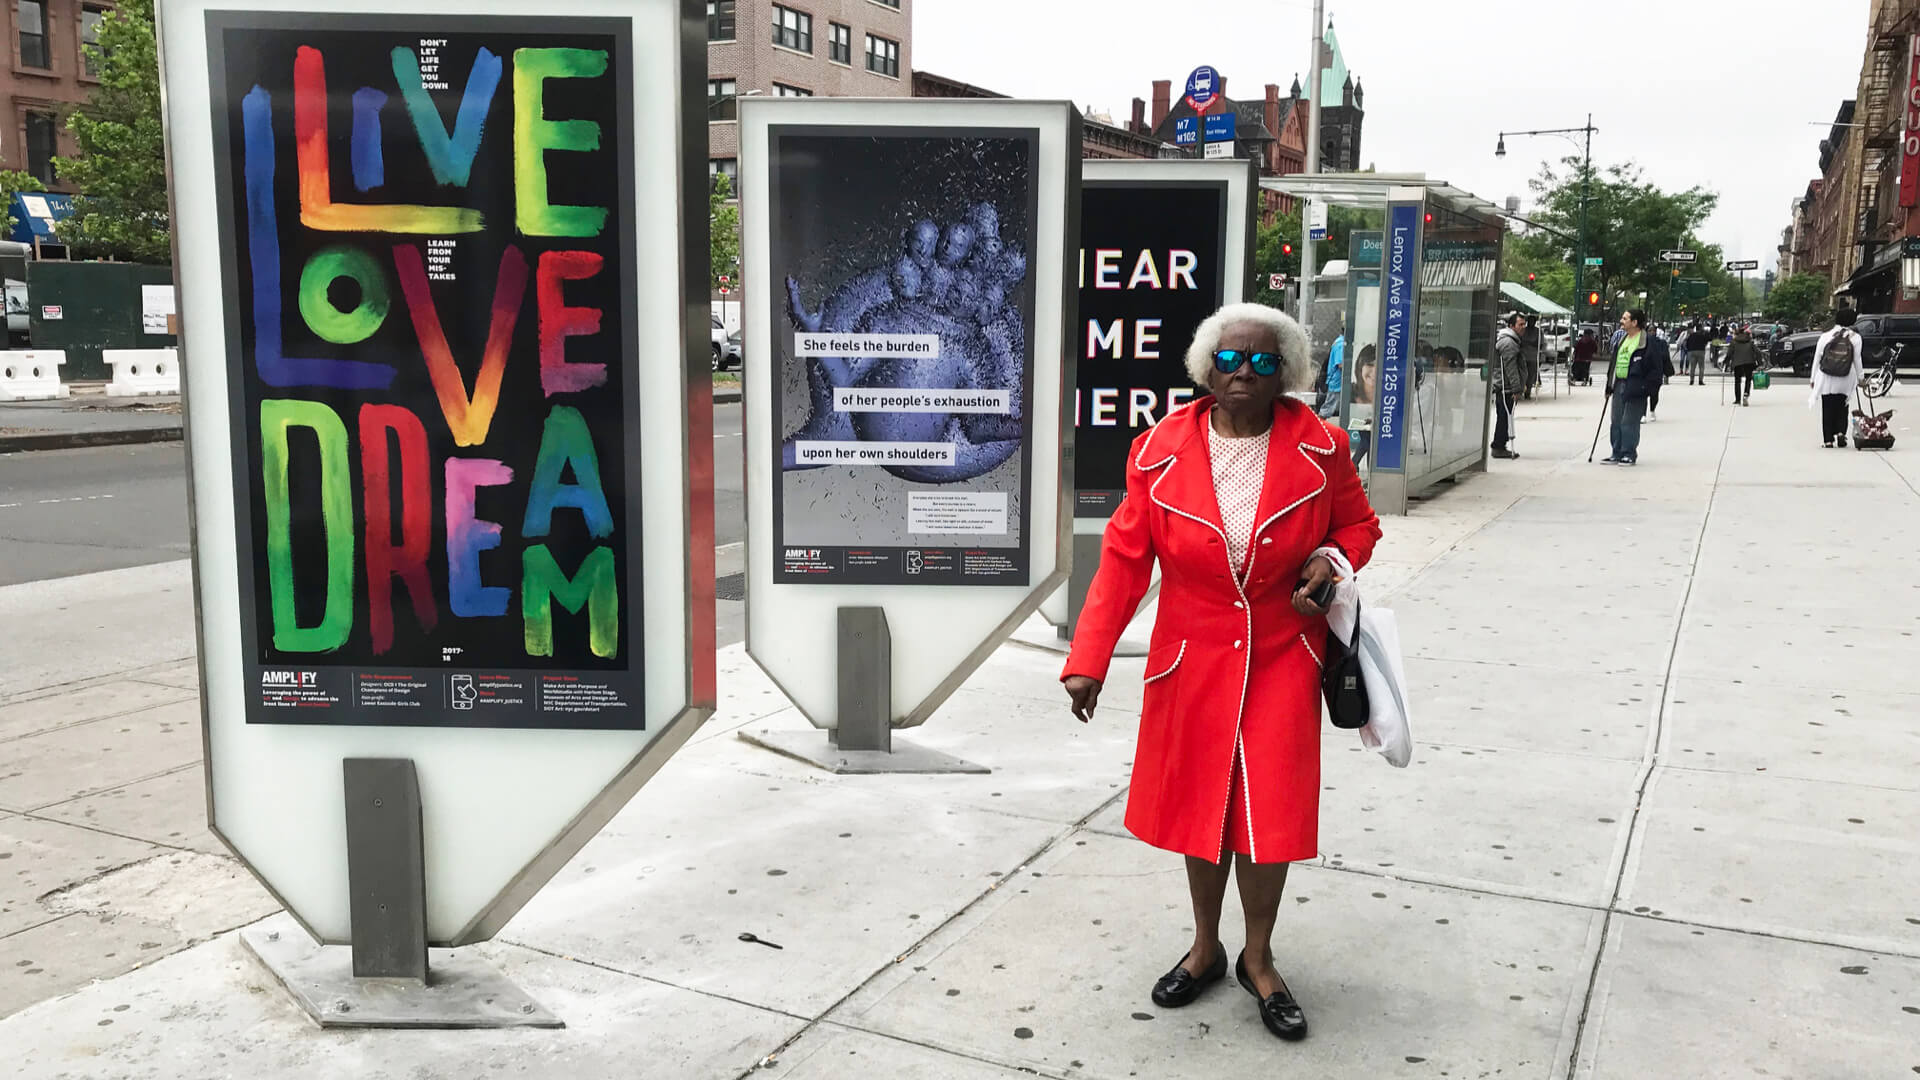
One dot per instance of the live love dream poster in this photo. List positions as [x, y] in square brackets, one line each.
[426, 242]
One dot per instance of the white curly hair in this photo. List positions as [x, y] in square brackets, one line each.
[1296, 361]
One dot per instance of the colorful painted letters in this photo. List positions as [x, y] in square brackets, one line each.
[485, 462]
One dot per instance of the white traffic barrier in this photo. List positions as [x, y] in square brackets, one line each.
[31, 374]
[138, 372]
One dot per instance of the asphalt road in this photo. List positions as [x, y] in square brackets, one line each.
[66, 512]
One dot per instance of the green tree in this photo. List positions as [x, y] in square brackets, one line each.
[723, 223]
[13, 183]
[1629, 221]
[1538, 254]
[1798, 299]
[121, 212]
[1270, 254]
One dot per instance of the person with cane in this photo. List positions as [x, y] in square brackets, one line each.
[1640, 362]
[1509, 375]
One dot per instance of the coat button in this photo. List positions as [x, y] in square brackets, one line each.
[1266, 539]
[1239, 604]
[1236, 645]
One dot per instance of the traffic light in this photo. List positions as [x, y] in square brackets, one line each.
[1529, 279]
[1593, 299]
[1287, 249]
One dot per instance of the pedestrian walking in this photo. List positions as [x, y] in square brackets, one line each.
[1509, 375]
[1530, 356]
[1240, 496]
[1837, 367]
[1584, 351]
[1640, 361]
[1661, 376]
[1693, 355]
[1333, 380]
[1743, 357]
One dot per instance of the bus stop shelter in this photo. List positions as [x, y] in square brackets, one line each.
[1419, 313]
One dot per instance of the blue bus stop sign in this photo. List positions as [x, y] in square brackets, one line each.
[1203, 88]
[1186, 131]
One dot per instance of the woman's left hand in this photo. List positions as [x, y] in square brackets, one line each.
[1317, 572]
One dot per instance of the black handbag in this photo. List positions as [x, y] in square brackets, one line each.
[1340, 679]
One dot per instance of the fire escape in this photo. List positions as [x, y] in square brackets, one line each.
[1882, 116]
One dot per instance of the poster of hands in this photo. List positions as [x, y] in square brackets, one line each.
[902, 320]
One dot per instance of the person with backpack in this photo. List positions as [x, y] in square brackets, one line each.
[1743, 356]
[1836, 371]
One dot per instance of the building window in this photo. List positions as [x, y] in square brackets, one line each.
[90, 38]
[883, 56]
[33, 34]
[727, 167]
[720, 20]
[792, 29]
[894, 4]
[723, 100]
[840, 43]
[783, 90]
[41, 144]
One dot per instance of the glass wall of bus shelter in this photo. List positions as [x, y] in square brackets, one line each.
[1459, 300]
[1361, 368]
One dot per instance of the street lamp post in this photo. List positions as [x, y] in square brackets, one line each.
[1586, 195]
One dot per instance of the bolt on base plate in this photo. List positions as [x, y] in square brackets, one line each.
[462, 989]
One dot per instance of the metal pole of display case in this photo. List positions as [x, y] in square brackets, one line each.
[1308, 263]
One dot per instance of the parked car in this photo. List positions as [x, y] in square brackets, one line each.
[1878, 333]
[727, 355]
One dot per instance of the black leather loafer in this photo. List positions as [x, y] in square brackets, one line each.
[1180, 987]
[1278, 1011]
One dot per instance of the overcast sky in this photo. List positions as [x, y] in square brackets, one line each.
[1717, 93]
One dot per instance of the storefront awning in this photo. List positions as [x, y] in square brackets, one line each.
[1527, 300]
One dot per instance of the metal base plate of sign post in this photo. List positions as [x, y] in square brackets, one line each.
[863, 742]
[388, 978]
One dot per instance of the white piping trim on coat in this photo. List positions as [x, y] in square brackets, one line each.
[1240, 752]
[1317, 662]
[1176, 663]
[1246, 667]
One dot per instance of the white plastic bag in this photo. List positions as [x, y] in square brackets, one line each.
[1389, 726]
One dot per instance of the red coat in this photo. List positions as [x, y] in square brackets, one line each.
[1228, 665]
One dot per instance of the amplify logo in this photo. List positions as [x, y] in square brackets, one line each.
[806, 554]
[289, 679]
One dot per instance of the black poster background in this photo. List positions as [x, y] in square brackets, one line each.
[1131, 217]
[844, 200]
[473, 671]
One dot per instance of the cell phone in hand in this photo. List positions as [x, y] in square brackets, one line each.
[1322, 597]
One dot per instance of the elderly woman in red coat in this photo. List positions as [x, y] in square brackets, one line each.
[1238, 495]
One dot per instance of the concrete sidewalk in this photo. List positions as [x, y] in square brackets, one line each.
[1660, 823]
[89, 418]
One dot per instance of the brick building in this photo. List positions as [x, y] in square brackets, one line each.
[1273, 129]
[48, 75]
[800, 48]
[1100, 137]
[1830, 217]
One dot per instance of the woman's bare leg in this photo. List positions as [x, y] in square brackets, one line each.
[1261, 886]
[1208, 883]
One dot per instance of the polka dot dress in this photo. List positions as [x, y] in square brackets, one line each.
[1239, 469]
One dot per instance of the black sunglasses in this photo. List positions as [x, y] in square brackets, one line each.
[1228, 361]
